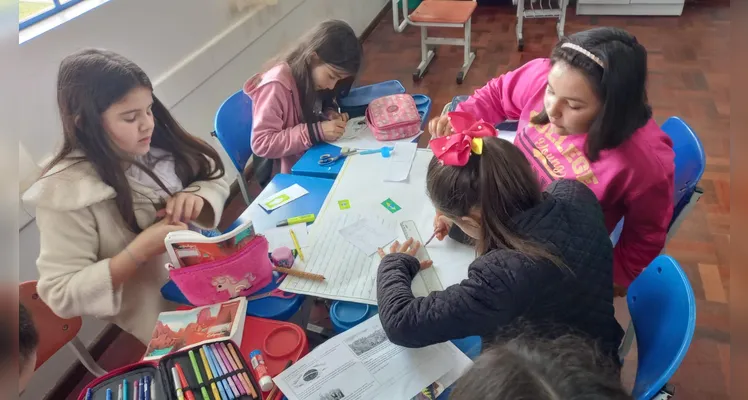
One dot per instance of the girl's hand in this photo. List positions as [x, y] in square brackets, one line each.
[440, 126]
[184, 207]
[441, 226]
[333, 129]
[150, 242]
[409, 248]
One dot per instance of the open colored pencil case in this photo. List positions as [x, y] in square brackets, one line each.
[240, 274]
[217, 373]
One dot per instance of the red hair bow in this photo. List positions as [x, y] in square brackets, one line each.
[468, 137]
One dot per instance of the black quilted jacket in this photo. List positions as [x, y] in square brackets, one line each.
[504, 287]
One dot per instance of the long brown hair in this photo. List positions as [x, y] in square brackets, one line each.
[88, 83]
[500, 183]
[621, 86]
[335, 43]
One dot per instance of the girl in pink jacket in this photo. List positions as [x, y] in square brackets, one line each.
[294, 102]
[583, 114]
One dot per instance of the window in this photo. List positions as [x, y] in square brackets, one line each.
[33, 11]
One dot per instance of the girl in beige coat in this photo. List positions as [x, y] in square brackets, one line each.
[127, 175]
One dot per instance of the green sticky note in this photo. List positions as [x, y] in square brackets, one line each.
[344, 204]
[391, 206]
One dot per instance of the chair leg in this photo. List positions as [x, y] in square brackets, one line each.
[426, 56]
[520, 21]
[85, 357]
[684, 212]
[468, 56]
[243, 189]
[628, 340]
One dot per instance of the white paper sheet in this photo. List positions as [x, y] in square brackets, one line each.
[350, 275]
[359, 136]
[281, 236]
[283, 197]
[368, 235]
[362, 364]
[400, 162]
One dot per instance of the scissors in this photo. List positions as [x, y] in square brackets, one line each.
[327, 159]
[273, 293]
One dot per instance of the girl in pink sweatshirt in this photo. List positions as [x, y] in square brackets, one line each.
[294, 102]
[583, 114]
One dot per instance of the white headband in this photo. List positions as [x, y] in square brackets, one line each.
[585, 52]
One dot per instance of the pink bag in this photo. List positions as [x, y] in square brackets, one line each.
[393, 117]
[241, 274]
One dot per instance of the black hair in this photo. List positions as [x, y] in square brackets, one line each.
[28, 337]
[527, 367]
[620, 84]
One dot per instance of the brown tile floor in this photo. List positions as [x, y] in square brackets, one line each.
[688, 59]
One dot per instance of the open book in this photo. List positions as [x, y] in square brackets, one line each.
[187, 248]
[179, 330]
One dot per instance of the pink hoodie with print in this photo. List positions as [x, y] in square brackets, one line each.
[633, 180]
[278, 132]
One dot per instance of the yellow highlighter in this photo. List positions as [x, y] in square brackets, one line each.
[210, 374]
[308, 218]
[296, 244]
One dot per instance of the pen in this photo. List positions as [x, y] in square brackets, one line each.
[187, 393]
[296, 244]
[222, 385]
[146, 387]
[209, 373]
[224, 370]
[135, 388]
[109, 394]
[433, 235]
[299, 274]
[177, 384]
[297, 220]
[119, 392]
[232, 363]
[243, 374]
[199, 377]
[124, 389]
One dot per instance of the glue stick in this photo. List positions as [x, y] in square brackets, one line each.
[261, 371]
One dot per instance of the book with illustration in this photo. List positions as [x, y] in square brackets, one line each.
[186, 248]
[179, 330]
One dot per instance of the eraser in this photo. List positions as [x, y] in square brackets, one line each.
[282, 257]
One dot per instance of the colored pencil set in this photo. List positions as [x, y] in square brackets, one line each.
[218, 371]
[213, 371]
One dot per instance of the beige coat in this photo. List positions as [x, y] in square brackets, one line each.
[81, 230]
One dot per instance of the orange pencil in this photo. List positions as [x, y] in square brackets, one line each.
[299, 274]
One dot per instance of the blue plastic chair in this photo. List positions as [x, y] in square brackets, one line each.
[233, 129]
[690, 161]
[663, 311]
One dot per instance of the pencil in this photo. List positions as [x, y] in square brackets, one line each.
[216, 372]
[299, 274]
[135, 390]
[275, 387]
[125, 392]
[199, 377]
[296, 244]
[119, 392]
[208, 372]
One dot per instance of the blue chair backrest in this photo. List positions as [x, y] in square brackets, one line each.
[690, 160]
[663, 311]
[233, 128]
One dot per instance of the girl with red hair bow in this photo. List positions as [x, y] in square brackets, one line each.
[544, 257]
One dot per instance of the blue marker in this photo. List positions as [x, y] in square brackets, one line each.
[216, 372]
[89, 394]
[147, 388]
[124, 390]
[109, 394]
[141, 388]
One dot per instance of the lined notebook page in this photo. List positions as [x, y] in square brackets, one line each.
[350, 275]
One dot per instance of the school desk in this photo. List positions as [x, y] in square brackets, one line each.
[308, 164]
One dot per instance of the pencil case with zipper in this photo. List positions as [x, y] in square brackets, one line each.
[239, 274]
[243, 383]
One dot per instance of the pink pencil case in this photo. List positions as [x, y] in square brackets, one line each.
[393, 117]
[240, 274]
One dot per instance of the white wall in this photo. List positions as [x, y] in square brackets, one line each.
[197, 53]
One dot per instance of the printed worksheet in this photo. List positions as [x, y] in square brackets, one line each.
[362, 364]
[368, 235]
